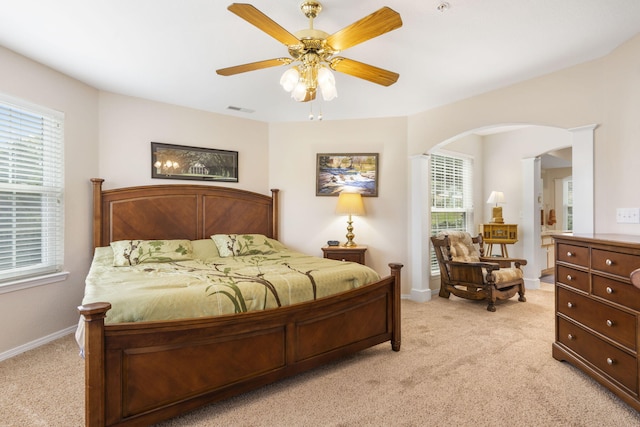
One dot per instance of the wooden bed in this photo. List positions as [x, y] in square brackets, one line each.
[144, 372]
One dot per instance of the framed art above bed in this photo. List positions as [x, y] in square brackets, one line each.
[354, 172]
[182, 162]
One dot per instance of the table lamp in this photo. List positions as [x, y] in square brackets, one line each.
[350, 204]
[496, 197]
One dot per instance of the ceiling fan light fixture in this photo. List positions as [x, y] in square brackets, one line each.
[299, 93]
[329, 92]
[327, 83]
[313, 50]
[326, 77]
[290, 79]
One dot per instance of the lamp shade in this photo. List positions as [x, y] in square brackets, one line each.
[496, 197]
[350, 204]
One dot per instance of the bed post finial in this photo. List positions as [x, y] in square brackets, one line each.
[274, 212]
[97, 212]
[93, 316]
[397, 291]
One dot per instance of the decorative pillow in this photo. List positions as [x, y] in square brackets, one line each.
[204, 249]
[244, 244]
[134, 252]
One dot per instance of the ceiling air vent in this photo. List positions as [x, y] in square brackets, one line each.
[242, 110]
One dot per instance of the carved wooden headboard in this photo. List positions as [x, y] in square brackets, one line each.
[178, 211]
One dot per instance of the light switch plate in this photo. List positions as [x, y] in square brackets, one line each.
[628, 215]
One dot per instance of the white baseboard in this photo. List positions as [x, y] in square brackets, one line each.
[37, 343]
[421, 295]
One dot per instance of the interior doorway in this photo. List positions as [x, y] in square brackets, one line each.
[581, 142]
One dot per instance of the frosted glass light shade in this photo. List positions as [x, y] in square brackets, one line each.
[290, 79]
[299, 93]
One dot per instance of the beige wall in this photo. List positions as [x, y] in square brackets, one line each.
[31, 314]
[108, 135]
[309, 221]
[129, 125]
[604, 92]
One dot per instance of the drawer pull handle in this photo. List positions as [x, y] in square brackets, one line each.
[570, 304]
[571, 337]
[610, 323]
[609, 262]
[610, 361]
[569, 254]
[609, 290]
[569, 277]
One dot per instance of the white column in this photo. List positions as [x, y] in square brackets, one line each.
[583, 179]
[530, 228]
[419, 229]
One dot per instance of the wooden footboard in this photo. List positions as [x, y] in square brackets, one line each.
[141, 373]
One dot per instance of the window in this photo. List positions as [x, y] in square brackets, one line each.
[451, 196]
[567, 203]
[31, 190]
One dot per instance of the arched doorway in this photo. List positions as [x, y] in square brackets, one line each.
[582, 141]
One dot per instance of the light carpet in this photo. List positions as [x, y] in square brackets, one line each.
[459, 365]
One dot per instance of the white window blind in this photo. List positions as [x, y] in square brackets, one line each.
[31, 190]
[451, 196]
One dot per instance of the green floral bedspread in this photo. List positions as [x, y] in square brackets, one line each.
[215, 285]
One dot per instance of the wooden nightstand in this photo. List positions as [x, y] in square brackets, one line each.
[343, 253]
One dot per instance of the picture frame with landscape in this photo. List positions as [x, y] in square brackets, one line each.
[184, 162]
[353, 172]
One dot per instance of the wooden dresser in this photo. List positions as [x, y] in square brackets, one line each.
[598, 309]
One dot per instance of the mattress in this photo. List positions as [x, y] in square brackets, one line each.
[208, 284]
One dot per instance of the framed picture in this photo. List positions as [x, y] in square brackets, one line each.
[204, 164]
[356, 172]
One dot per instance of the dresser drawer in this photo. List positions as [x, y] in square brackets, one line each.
[614, 262]
[611, 322]
[619, 292]
[573, 254]
[612, 361]
[572, 277]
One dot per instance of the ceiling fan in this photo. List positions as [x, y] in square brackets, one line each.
[313, 51]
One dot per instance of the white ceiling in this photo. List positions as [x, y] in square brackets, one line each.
[168, 50]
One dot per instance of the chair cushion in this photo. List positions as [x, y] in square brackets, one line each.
[505, 275]
[462, 247]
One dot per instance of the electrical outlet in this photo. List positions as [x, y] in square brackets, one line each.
[628, 215]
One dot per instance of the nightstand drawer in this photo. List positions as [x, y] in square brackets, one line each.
[342, 253]
[346, 257]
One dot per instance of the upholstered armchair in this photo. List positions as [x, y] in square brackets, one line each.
[467, 273]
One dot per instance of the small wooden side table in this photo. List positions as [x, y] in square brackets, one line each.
[345, 253]
[499, 234]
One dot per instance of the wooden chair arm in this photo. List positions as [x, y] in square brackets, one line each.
[505, 262]
[488, 265]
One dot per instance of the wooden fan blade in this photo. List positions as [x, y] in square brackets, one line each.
[364, 71]
[253, 16]
[374, 25]
[253, 66]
